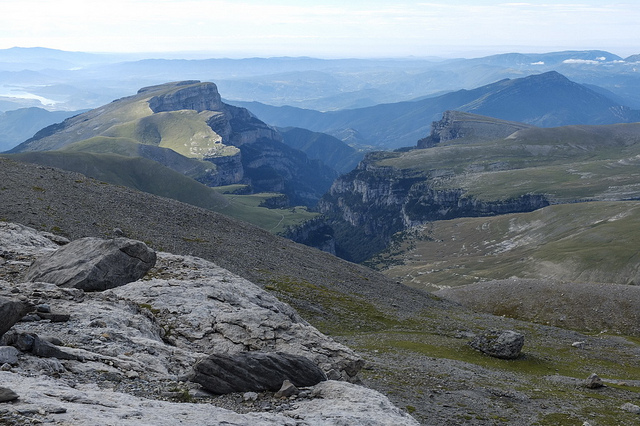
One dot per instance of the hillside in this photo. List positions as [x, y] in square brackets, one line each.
[530, 169]
[415, 346]
[592, 242]
[185, 126]
[545, 100]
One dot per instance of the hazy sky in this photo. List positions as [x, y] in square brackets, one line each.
[328, 28]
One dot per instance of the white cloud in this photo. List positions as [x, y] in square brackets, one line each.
[581, 61]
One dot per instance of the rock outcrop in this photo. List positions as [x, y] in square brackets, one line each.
[185, 95]
[94, 264]
[255, 371]
[124, 351]
[463, 125]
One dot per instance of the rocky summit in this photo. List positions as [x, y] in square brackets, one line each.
[127, 355]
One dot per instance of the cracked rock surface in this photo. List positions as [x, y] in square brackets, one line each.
[124, 355]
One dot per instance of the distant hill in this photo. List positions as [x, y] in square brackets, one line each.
[185, 126]
[40, 58]
[18, 125]
[69, 78]
[546, 100]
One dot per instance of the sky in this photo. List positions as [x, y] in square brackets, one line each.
[328, 29]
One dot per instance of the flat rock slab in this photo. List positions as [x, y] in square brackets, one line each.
[94, 264]
[255, 371]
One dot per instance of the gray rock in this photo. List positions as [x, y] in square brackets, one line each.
[19, 238]
[94, 264]
[21, 341]
[250, 396]
[631, 408]
[255, 371]
[54, 317]
[504, 344]
[232, 315]
[30, 342]
[58, 239]
[10, 312]
[46, 349]
[7, 395]
[43, 308]
[8, 355]
[286, 390]
[593, 382]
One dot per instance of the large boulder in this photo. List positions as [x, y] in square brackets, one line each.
[504, 344]
[94, 264]
[255, 371]
[10, 312]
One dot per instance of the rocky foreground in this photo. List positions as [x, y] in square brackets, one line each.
[139, 353]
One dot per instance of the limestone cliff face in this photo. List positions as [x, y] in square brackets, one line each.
[369, 205]
[187, 95]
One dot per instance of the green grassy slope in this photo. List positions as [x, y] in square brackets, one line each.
[131, 118]
[248, 208]
[133, 172]
[151, 177]
[583, 242]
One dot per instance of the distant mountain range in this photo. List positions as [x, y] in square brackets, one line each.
[77, 80]
[545, 100]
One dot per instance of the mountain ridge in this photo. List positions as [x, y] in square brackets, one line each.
[546, 100]
[190, 118]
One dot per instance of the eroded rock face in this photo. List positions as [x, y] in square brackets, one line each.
[255, 371]
[505, 344]
[94, 264]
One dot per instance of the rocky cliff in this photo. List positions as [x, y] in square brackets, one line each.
[367, 206]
